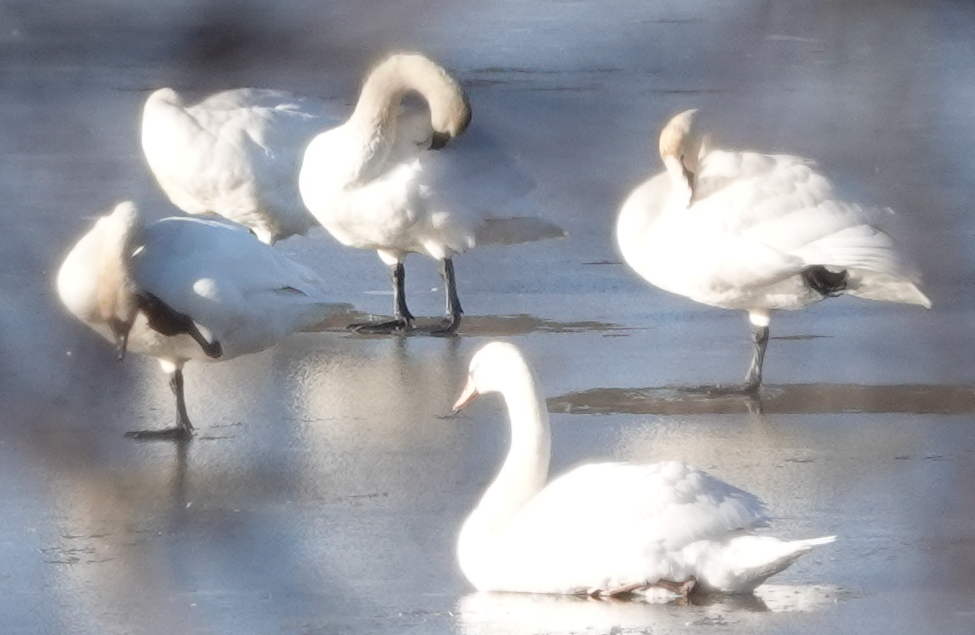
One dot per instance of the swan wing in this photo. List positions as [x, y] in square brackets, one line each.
[246, 293]
[670, 502]
[783, 203]
[610, 525]
[696, 251]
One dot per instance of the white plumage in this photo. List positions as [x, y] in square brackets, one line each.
[756, 232]
[374, 183]
[236, 153]
[183, 289]
[605, 528]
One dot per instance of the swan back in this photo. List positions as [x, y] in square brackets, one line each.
[236, 153]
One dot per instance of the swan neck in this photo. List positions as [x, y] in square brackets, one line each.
[681, 180]
[116, 287]
[525, 468]
[383, 91]
[379, 101]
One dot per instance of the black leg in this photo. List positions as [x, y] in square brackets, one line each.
[400, 310]
[182, 419]
[402, 318]
[453, 309]
[753, 380]
[183, 429]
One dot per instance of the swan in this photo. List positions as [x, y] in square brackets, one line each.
[185, 288]
[605, 529]
[236, 154]
[755, 232]
[373, 184]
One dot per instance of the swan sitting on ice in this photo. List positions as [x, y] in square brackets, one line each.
[373, 183]
[181, 289]
[605, 529]
[756, 232]
[236, 154]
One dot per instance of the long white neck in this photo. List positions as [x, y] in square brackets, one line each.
[115, 287]
[375, 117]
[525, 469]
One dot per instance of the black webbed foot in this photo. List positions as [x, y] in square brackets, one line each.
[396, 325]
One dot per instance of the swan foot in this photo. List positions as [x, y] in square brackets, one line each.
[616, 592]
[169, 434]
[683, 589]
[722, 390]
[447, 326]
[396, 325]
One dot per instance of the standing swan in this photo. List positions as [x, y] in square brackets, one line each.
[181, 289]
[605, 529]
[236, 153]
[756, 232]
[373, 184]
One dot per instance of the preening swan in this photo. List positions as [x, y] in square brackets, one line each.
[756, 232]
[236, 154]
[373, 183]
[181, 289]
[605, 529]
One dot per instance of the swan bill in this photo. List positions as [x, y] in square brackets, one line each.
[467, 395]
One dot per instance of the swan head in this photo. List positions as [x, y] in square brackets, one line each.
[682, 146]
[164, 96]
[450, 108]
[494, 368]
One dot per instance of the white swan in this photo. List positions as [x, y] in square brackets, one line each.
[605, 528]
[236, 154]
[756, 232]
[373, 184]
[183, 289]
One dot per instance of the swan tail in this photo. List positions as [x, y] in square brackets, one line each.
[511, 231]
[885, 287]
[875, 267]
[745, 562]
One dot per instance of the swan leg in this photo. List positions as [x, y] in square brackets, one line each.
[453, 309]
[402, 318]
[759, 328]
[183, 429]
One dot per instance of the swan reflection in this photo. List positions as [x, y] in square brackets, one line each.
[517, 614]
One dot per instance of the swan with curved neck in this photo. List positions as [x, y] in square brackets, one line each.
[182, 289]
[373, 184]
[604, 529]
[755, 232]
